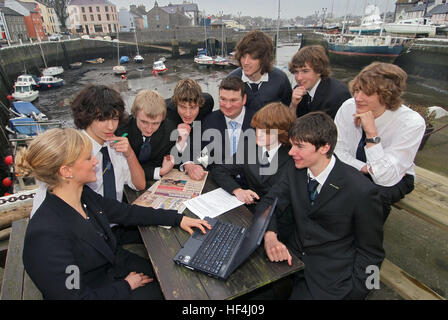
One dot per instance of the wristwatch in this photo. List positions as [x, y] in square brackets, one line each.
[375, 140]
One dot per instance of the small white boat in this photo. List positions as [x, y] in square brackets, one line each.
[204, 60]
[138, 59]
[159, 67]
[95, 61]
[75, 65]
[221, 61]
[48, 82]
[23, 91]
[52, 71]
[119, 69]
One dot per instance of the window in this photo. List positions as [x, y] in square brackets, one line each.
[99, 17]
[83, 10]
[107, 16]
[97, 9]
[98, 28]
[92, 17]
[106, 8]
[157, 17]
[84, 17]
[90, 9]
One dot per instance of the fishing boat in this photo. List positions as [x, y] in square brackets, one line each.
[204, 60]
[48, 82]
[23, 91]
[124, 59]
[159, 67]
[359, 51]
[221, 61]
[28, 79]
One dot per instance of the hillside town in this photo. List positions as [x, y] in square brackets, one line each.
[22, 21]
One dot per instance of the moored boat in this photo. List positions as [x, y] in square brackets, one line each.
[159, 67]
[23, 91]
[28, 79]
[48, 82]
[221, 61]
[75, 65]
[418, 26]
[124, 59]
[95, 61]
[204, 60]
[138, 59]
[119, 69]
[53, 71]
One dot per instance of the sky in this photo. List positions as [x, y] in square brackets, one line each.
[269, 8]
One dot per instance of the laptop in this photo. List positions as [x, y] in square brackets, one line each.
[225, 247]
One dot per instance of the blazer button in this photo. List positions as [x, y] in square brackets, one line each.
[303, 253]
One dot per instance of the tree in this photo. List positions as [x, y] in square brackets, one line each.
[60, 8]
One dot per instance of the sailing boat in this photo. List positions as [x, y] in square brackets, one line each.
[48, 71]
[138, 58]
[221, 60]
[202, 58]
[118, 69]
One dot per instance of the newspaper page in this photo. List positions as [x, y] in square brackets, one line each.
[171, 192]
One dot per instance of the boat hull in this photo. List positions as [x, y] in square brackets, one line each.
[29, 97]
[50, 85]
[359, 56]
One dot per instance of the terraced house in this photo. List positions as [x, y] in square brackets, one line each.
[93, 17]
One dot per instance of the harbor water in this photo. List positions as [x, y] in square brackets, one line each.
[56, 103]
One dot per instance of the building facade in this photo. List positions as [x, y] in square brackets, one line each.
[13, 26]
[50, 21]
[93, 17]
[33, 19]
[172, 16]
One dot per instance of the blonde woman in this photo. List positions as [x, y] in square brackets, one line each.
[69, 250]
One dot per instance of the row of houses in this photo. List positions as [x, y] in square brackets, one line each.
[27, 19]
[436, 10]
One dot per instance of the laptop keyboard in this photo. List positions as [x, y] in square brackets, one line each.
[216, 249]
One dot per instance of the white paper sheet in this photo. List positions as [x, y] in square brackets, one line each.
[213, 203]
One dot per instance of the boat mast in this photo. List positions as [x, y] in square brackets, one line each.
[135, 35]
[384, 18]
[118, 49]
[345, 20]
[222, 36]
[278, 28]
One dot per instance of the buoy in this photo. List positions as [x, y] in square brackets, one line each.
[9, 97]
[7, 182]
[7, 194]
[9, 160]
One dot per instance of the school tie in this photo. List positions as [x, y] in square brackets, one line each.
[109, 190]
[360, 152]
[312, 189]
[145, 151]
[307, 98]
[254, 87]
[265, 160]
[234, 126]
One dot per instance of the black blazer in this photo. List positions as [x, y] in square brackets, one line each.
[216, 120]
[58, 237]
[339, 236]
[330, 95]
[160, 143]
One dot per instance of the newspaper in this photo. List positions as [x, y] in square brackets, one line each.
[171, 192]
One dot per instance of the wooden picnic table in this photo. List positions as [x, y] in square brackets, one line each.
[178, 282]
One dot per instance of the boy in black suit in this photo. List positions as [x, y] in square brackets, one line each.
[315, 90]
[338, 225]
[149, 134]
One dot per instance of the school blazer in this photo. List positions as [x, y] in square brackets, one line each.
[59, 238]
[339, 236]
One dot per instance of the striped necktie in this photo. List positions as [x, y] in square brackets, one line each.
[109, 190]
[234, 126]
[312, 189]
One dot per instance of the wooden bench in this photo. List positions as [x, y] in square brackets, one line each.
[428, 201]
[17, 285]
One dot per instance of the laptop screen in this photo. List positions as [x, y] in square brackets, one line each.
[255, 233]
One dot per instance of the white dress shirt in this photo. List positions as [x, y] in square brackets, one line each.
[312, 92]
[322, 177]
[264, 78]
[121, 172]
[401, 132]
[272, 152]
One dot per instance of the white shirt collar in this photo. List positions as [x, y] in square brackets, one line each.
[322, 177]
[239, 118]
[264, 78]
[312, 92]
[271, 152]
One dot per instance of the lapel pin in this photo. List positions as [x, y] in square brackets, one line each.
[336, 187]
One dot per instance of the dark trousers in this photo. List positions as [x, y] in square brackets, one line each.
[391, 195]
[127, 262]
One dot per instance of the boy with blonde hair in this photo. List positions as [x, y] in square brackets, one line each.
[149, 134]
